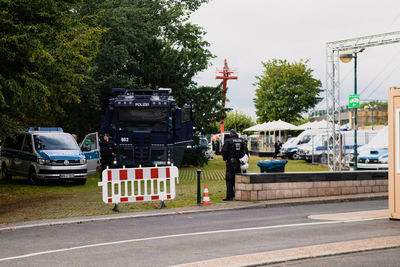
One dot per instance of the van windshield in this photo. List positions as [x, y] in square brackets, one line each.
[55, 142]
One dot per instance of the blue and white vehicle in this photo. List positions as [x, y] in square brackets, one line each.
[317, 149]
[43, 153]
[290, 148]
[375, 154]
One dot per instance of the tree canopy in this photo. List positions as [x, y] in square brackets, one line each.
[148, 44]
[285, 91]
[60, 59]
[207, 108]
[238, 121]
[45, 54]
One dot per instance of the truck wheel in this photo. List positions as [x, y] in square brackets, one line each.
[33, 179]
[323, 159]
[295, 156]
[5, 174]
[81, 181]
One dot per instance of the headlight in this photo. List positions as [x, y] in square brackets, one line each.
[82, 161]
[43, 161]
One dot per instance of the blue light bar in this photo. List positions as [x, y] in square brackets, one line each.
[45, 129]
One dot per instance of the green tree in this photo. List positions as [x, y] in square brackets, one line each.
[207, 108]
[285, 91]
[45, 54]
[148, 44]
[376, 104]
[238, 121]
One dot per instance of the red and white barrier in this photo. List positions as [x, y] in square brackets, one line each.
[138, 184]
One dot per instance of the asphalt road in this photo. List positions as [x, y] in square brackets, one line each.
[177, 239]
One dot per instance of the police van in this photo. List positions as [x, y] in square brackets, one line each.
[43, 153]
[375, 154]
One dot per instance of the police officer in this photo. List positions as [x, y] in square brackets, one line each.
[107, 151]
[277, 146]
[233, 149]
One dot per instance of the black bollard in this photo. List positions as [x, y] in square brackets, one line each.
[198, 188]
[116, 208]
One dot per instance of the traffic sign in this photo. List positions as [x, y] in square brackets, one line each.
[354, 101]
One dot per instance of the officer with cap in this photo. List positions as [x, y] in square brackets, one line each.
[234, 148]
[107, 151]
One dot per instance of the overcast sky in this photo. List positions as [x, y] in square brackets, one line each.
[247, 32]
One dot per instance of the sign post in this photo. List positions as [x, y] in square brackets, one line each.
[354, 102]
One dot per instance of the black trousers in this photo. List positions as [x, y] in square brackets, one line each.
[230, 180]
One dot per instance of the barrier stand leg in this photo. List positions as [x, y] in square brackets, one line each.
[116, 208]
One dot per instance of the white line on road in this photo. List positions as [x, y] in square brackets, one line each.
[182, 235]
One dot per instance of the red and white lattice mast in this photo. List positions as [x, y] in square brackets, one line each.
[227, 74]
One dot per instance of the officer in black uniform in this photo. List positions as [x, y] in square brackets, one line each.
[107, 151]
[234, 148]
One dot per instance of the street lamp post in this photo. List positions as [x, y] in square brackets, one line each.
[346, 58]
[372, 108]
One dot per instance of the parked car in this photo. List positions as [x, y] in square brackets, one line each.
[375, 154]
[43, 153]
[290, 147]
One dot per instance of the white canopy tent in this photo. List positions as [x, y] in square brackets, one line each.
[256, 128]
[272, 126]
[313, 125]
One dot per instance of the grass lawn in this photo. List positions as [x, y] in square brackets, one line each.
[20, 201]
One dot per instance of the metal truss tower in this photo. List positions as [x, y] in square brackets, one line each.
[333, 86]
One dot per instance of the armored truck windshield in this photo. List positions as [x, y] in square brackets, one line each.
[144, 119]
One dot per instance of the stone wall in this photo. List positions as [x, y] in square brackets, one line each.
[268, 186]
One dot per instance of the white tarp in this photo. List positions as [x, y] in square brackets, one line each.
[313, 125]
[256, 128]
[280, 125]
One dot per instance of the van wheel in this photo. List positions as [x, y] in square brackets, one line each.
[295, 156]
[79, 181]
[323, 159]
[5, 174]
[33, 179]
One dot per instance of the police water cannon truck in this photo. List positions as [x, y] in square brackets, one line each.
[148, 127]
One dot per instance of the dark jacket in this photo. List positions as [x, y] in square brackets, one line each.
[234, 148]
[107, 149]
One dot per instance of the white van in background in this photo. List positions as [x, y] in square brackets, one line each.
[290, 148]
[317, 149]
[375, 154]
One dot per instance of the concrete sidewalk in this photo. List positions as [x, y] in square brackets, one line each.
[231, 205]
[301, 253]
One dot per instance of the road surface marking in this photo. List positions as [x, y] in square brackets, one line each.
[181, 235]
